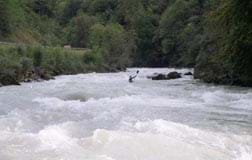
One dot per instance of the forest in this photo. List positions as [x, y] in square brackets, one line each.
[212, 36]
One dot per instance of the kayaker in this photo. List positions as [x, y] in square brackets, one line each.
[131, 78]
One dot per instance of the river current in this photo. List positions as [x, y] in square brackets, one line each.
[104, 117]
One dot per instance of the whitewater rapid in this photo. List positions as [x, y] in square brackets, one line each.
[103, 117]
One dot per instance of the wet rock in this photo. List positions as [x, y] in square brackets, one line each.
[46, 76]
[188, 74]
[27, 80]
[173, 75]
[159, 77]
[38, 80]
[40, 73]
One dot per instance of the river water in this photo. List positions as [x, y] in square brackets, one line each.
[103, 117]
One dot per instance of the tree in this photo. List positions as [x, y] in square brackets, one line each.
[230, 30]
[4, 18]
[104, 9]
[145, 31]
[42, 7]
[128, 12]
[180, 25]
[79, 30]
[114, 44]
[70, 10]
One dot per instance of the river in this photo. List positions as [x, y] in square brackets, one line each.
[103, 117]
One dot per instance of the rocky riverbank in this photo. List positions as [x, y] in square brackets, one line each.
[15, 79]
[36, 63]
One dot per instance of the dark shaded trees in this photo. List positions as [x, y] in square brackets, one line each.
[70, 10]
[180, 32]
[229, 59]
[42, 7]
[4, 18]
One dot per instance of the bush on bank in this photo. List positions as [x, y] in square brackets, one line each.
[26, 63]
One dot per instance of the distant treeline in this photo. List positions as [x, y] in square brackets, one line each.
[214, 36]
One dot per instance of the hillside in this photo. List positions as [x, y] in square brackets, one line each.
[213, 36]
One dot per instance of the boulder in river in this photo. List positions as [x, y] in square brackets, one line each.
[188, 74]
[171, 75]
[159, 77]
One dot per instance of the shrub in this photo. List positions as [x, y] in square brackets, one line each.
[37, 57]
[16, 61]
[26, 63]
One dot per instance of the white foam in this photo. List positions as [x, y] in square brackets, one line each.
[160, 140]
[103, 117]
[244, 153]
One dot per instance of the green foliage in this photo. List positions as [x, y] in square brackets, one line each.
[42, 7]
[229, 33]
[153, 28]
[179, 26]
[213, 35]
[4, 18]
[238, 38]
[111, 41]
[26, 64]
[145, 31]
[17, 61]
[105, 10]
[11, 15]
[37, 57]
[79, 30]
[70, 10]
[129, 11]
